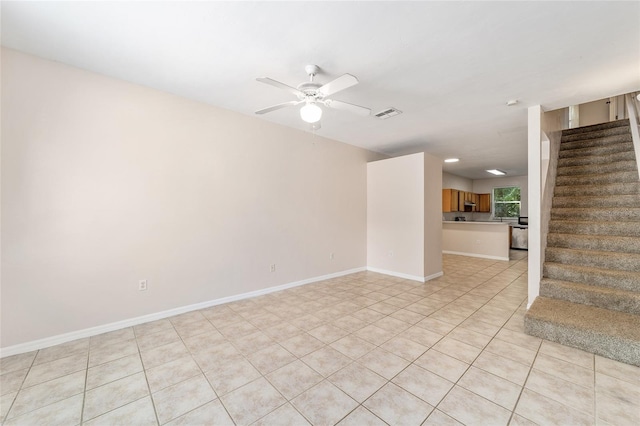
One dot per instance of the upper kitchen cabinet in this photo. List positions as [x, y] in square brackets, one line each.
[454, 200]
[466, 202]
[450, 200]
[484, 203]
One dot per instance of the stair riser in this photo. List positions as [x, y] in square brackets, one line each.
[591, 169]
[596, 150]
[623, 244]
[595, 127]
[594, 214]
[597, 179]
[599, 190]
[610, 347]
[596, 134]
[617, 261]
[594, 228]
[611, 279]
[627, 302]
[608, 140]
[597, 159]
[604, 201]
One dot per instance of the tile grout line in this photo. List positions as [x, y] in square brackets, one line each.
[86, 377]
[144, 371]
[24, 379]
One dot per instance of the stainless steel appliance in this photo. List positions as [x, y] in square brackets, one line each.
[520, 234]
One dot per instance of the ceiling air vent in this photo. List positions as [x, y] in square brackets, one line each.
[387, 113]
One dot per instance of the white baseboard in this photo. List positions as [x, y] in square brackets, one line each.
[93, 331]
[405, 276]
[483, 256]
[433, 276]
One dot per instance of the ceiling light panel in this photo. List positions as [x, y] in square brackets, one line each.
[496, 172]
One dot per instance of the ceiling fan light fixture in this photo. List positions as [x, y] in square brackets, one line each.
[311, 113]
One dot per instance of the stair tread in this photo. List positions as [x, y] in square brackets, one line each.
[593, 295]
[620, 176]
[603, 214]
[611, 201]
[594, 133]
[608, 243]
[599, 197]
[588, 169]
[586, 142]
[595, 269]
[596, 151]
[609, 333]
[595, 252]
[591, 287]
[605, 125]
[630, 187]
[612, 261]
[595, 275]
[593, 227]
[587, 317]
[596, 159]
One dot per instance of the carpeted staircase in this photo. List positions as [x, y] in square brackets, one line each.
[590, 290]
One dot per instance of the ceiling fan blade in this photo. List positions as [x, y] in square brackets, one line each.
[278, 106]
[343, 82]
[356, 109]
[279, 85]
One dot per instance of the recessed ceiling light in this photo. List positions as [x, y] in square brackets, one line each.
[512, 102]
[451, 160]
[497, 172]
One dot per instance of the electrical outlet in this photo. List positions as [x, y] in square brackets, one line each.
[331, 256]
[273, 267]
[142, 285]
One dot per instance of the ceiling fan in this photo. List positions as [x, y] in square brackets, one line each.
[311, 94]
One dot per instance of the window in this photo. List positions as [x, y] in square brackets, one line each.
[506, 202]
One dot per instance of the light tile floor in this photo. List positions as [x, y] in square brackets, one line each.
[363, 349]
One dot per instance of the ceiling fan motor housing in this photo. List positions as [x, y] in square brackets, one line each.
[310, 90]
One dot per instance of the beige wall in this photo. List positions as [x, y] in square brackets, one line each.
[404, 216]
[456, 182]
[105, 183]
[432, 216]
[595, 112]
[395, 215]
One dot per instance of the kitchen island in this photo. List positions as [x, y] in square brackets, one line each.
[490, 240]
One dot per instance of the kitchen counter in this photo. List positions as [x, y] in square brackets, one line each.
[490, 240]
[472, 222]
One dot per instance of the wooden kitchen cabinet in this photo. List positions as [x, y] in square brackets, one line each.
[461, 200]
[453, 201]
[484, 203]
[450, 200]
[465, 197]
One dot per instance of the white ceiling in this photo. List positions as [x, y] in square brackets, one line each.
[449, 66]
